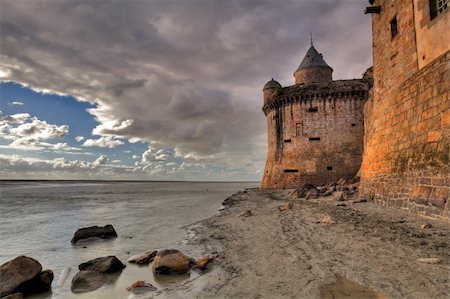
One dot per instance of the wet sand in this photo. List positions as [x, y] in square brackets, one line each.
[320, 248]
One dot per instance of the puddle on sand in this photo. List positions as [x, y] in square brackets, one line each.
[344, 288]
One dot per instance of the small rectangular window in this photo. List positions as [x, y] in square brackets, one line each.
[298, 129]
[314, 138]
[287, 140]
[394, 28]
[353, 125]
[313, 109]
[329, 167]
[291, 170]
[437, 7]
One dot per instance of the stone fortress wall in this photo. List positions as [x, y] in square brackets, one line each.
[321, 130]
[315, 127]
[407, 118]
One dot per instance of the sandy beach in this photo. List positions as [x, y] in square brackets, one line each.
[322, 248]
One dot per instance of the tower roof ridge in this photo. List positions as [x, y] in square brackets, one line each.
[312, 59]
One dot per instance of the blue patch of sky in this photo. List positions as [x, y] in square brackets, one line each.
[61, 110]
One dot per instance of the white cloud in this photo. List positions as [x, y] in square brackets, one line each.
[40, 130]
[79, 138]
[18, 118]
[196, 88]
[17, 103]
[101, 160]
[107, 141]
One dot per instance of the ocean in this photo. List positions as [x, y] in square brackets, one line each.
[38, 219]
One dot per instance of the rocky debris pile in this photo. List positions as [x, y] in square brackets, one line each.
[341, 190]
[239, 196]
[92, 273]
[143, 258]
[173, 262]
[105, 232]
[24, 276]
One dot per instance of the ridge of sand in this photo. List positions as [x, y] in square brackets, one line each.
[318, 249]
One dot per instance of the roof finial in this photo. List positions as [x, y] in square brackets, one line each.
[311, 39]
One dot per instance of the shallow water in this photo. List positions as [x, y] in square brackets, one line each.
[38, 219]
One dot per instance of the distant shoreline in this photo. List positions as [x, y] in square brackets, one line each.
[123, 181]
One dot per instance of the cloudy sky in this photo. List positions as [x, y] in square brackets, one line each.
[157, 90]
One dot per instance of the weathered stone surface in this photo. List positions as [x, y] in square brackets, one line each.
[16, 272]
[203, 262]
[107, 264]
[38, 284]
[143, 258]
[140, 287]
[406, 118]
[87, 281]
[105, 232]
[171, 261]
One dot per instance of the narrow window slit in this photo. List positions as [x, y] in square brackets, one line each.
[313, 109]
[329, 167]
[287, 140]
[291, 170]
[314, 138]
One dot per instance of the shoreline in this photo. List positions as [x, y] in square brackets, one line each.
[320, 248]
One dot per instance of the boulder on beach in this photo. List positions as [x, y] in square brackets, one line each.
[301, 192]
[105, 232]
[171, 261]
[203, 262]
[87, 281]
[143, 258]
[107, 264]
[16, 272]
[38, 284]
[140, 287]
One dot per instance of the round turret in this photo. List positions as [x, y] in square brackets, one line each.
[313, 69]
[269, 89]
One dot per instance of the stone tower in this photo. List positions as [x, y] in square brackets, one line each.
[315, 127]
[407, 117]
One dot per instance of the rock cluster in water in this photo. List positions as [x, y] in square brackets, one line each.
[24, 276]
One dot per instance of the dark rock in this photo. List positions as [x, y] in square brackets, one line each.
[14, 296]
[144, 258]
[171, 261]
[40, 283]
[87, 281]
[105, 232]
[327, 193]
[16, 272]
[107, 264]
[301, 192]
[140, 287]
[427, 225]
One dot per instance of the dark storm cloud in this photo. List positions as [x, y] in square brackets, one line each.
[185, 74]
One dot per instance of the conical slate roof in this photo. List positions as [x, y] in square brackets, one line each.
[312, 59]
